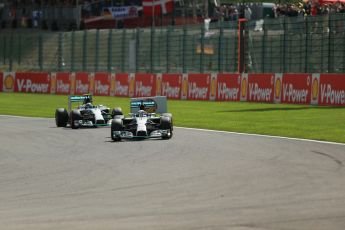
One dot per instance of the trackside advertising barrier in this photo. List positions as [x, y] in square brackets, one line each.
[145, 85]
[260, 88]
[84, 82]
[289, 88]
[122, 85]
[60, 83]
[199, 87]
[296, 88]
[228, 87]
[32, 82]
[102, 84]
[171, 86]
[332, 89]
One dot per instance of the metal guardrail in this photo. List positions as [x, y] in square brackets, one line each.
[299, 44]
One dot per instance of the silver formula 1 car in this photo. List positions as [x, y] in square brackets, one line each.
[85, 115]
[142, 122]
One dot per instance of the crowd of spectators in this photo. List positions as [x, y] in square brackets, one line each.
[229, 12]
[309, 7]
[32, 9]
[39, 3]
[88, 7]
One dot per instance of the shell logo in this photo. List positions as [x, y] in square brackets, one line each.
[184, 87]
[244, 87]
[213, 86]
[277, 89]
[131, 84]
[9, 82]
[158, 85]
[72, 81]
[112, 84]
[53, 83]
[315, 89]
[91, 82]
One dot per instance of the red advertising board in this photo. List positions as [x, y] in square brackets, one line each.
[260, 88]
[1, 81]
[63, 83]
[32, 82]
[332, 89]
[145, 85]
[102, 84]
[171, 86]
[228, 87]
[122, 85]
[84, 83]
[295, 88]
[199, 86]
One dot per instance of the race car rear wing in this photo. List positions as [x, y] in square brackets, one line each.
[76, 98]
[156, 104]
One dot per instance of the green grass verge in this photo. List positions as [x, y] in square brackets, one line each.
[318, 123]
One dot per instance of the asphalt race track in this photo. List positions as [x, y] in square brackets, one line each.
[58, 178]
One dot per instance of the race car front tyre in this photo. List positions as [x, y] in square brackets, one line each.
[117, 113]
[166, 124]
[116, 125]
[169, 115]
[61, 117]
[75, 117]
[166, 115]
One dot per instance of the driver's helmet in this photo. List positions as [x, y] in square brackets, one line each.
[88, 105]
[87, 100]
[141, 113]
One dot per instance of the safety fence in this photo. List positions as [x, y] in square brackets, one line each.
[291, 88]
[296, 44]
[287, 44]
[163, 49]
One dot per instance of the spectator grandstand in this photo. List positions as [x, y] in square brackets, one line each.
[72, 14]
[80, 14]
[87, 14]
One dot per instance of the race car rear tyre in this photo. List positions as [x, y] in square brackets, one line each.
[75, 116]
[61, 117]
[166, 124]
[116, 125]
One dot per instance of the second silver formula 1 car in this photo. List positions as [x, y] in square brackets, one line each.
[142, 123]
[85, 115]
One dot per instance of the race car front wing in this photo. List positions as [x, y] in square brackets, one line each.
[154, 134]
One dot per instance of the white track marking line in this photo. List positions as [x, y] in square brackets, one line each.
[218, 131]
[263, 135]
[25, 117]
